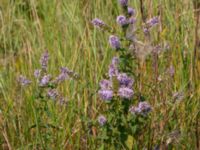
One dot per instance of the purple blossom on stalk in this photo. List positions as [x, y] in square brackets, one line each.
[106, 94]
[105, 84]
[23, 80]
[98, 23]
[102, 120]
[113, 71]
[123, 3]
[114, 42]
[52, 93]
[121, 20]
[144, 107]
[44, 60]
[63, 75]
[131, 11]
[125, 92]
[125, 81]
[45, 80]
[37, 73]
[153, 21]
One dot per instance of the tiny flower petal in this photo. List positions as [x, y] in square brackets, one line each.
[115, 61]
[113, 71]
[44, 60]
[153, 21]
[134, 110]
[124, 80]
[52, 93]
[37, 73]
[144, 107]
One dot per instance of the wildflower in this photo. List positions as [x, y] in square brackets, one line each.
[131, 11]
[102, 120]
[124, 80]
[105, 84]
[115, 61]
[45, 80]
[23, 80]
[134, 110]
[52, 93]
[63, 75]
[144, 107]
[106, 94]
[125, 92]
[122, 21]
[114, 42]
[153, 21]
[44, 60]
[123, 3]
[113, 71]
[178, 96]
[37, 73]
[98, 23]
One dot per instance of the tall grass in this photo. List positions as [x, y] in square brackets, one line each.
[28, 27]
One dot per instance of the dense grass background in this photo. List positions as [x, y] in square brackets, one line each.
[28, 27]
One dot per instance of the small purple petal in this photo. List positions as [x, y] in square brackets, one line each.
[125, 81]
[44, 60]
[52, 93]
[37, 73]
[153, 21]
[134, 110]
[113, 71]
[98, 23]
[144, 107]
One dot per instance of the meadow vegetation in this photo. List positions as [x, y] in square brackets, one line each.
[168, 80]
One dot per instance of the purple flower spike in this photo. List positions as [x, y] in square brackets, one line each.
[144, 107]
[102, 120]
[131, 11]
[125, 93]
[105, 84]
[125, 81]
[123, 3]
[153, 21]
[23, 80]
[121, 20]
[113, 71]
[45, 80]
[98, 23]
[44, 60]
[106, 94]
[52, 93]
[114, 42]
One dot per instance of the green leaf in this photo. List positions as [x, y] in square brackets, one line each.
[130, 142]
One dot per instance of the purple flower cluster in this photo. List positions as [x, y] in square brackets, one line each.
[23, 80]
[125, 83]
[143, 109]
[98, 23]
[122, 21]
[123, 3]
[131, 11]
[52, 93]
[64, 74]
[153, 21]
[44, 60]
[102, 120]
[114, 42]
[45, 80]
